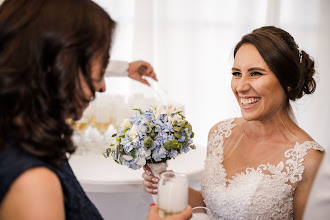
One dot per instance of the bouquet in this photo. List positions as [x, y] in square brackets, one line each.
[151, 137]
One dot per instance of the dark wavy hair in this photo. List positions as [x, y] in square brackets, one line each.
[44, 46]
[294, 68]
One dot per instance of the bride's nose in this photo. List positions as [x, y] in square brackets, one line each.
[243, 85]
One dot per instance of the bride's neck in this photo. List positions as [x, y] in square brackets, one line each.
[279, 128]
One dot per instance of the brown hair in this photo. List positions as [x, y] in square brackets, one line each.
[293, 68]
[44, 44]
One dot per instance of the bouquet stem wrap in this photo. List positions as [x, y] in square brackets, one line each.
[156, 169]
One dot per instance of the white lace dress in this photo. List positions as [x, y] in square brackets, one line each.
[262, 193]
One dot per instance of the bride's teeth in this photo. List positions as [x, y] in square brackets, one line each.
[249, 101]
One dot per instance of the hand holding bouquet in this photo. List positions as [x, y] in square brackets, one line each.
[151, 136]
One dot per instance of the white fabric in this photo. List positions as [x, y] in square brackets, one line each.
[318, 204]
[117, 68]
[262, 193]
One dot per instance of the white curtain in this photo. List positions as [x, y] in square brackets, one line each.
[190, 44]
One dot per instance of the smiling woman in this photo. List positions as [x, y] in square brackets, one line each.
[262, 165]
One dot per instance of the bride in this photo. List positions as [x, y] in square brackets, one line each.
[262, 165]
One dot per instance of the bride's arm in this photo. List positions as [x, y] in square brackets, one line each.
[311, 163]
[195, 198]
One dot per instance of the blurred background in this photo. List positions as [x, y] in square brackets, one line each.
[190, 45]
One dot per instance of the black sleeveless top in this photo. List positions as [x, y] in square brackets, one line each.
[14, 161]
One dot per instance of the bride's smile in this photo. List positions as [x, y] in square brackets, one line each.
[249, 102]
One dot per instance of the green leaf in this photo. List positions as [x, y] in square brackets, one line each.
[148, 142]
[186, 137]
[182, 123]
[138, 110]
[182, 116]
[167, 146]
[188, 126]
[114, 135]
[133, 153]
[192, 135]
[174, 142]
[177, 129]
[178, 135]
[193, 147]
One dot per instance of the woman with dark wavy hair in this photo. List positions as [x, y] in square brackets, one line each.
[261, 165]
[53, 54]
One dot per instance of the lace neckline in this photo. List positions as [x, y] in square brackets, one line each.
[293, 165]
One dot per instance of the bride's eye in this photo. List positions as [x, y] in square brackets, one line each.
[236, 74]
[256, 74]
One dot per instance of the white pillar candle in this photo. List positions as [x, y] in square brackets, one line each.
[172, 193]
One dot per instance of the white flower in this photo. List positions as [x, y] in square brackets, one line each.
[126, 124]
[176, 117]
[127, 157]
[141, 161]
[158, 110]
[133, 132]
[170, 110]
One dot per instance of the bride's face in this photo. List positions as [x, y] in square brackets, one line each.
[257, 89]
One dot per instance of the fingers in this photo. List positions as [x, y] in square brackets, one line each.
[144, 81]
[153, 212]
[150, 181]
[186, 214]
[145, 69]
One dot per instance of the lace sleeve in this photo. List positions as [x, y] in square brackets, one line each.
[217, 133]
[295, 167]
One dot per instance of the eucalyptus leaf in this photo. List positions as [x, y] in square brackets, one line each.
[167, 146]
[177, 135]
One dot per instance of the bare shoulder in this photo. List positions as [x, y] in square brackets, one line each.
[311, 163]
[35, 190]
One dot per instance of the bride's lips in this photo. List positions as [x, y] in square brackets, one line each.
[249, 102]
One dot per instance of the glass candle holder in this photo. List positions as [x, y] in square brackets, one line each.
[172, 193]
[201, 213]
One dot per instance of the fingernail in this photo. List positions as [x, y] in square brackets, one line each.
[148, 172]
[155, 185]
[152, 204]
[155, 180]
[155, 190]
